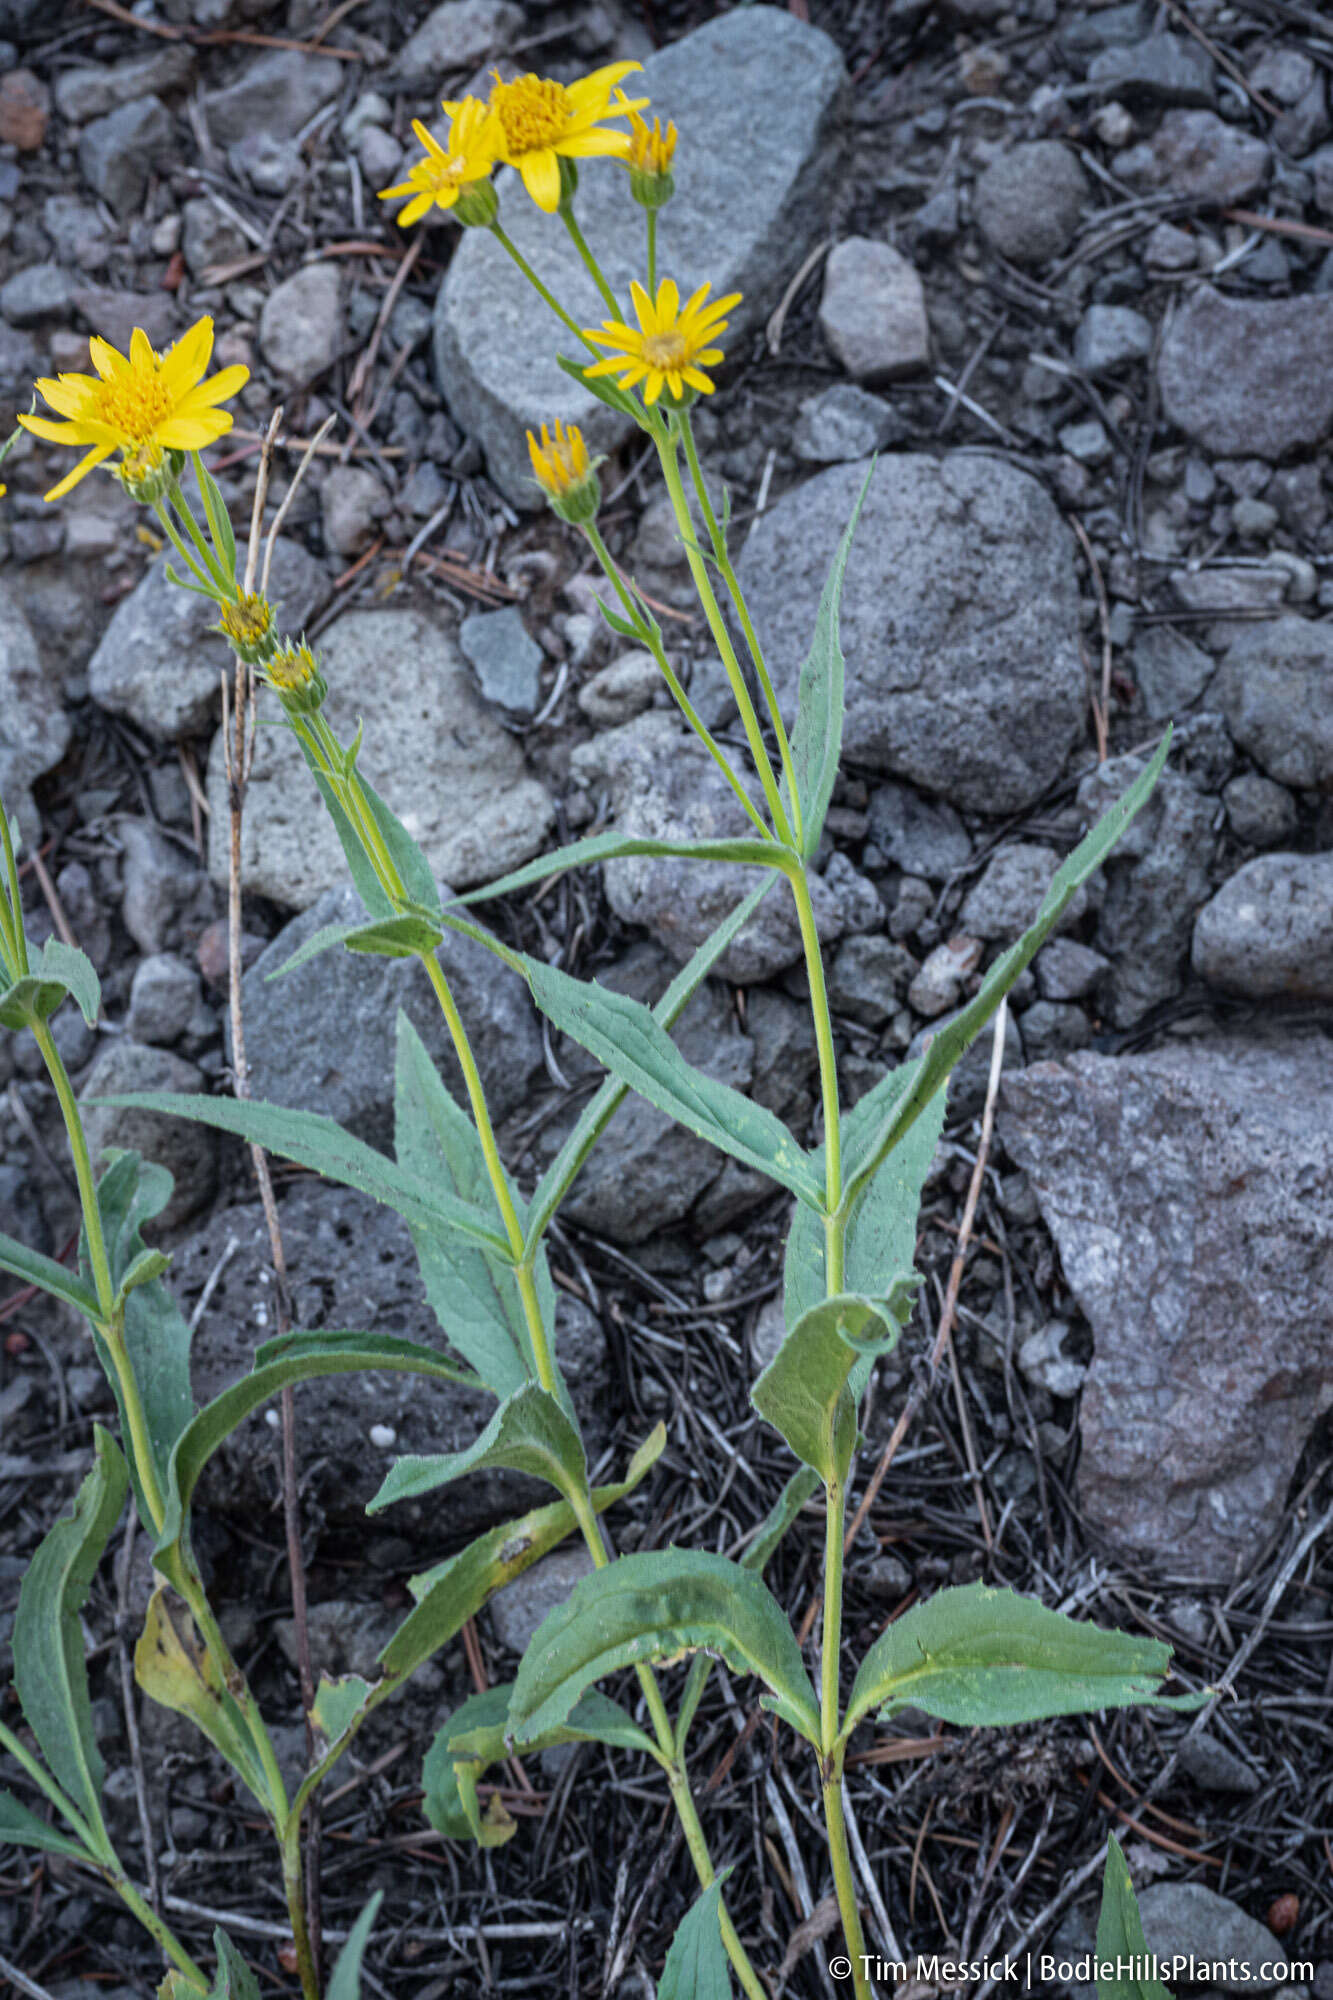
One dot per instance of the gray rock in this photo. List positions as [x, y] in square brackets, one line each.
[189, 1152]
[844, 422]
[1214, 1768]
[115, 314]
[34, 729]
[432, 749]
[922, 836]
[301, 329]
[1277, 695]
[786, 1060]
[959, 621]
[1245, 376]
[1164, 69]
[869, 978]
[859, 903]
[352, 503]
[164, 996]
[1172, 672]
[460, 34]
[1196, 154]
[1067, 970]
[620, 691]
[116, 153]
[1190, 1194]
[1170, 249]
[1189, 1919]
[322, 1038]
[1086, 441]
[166, 900]
[1005, 898]
[209, 236]
[664, 785]
[38, 292]
[277, 92]
[749, 206]
[352, 1264]
[519, 1609]
[1043, 1361]
[1028, 201]
[1111, 336]
[1054, 1028]
[873, 312]
[1268, 932]
[1157, 877]
[1259, 813]
[346, 1636]
[506, 658]
[268, 163]
[82, 94]
[938, 986]
[157, 662]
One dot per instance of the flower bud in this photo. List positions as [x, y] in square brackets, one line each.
[649, 158]
[566, 474]
[247, 626]
[143, 474]
[477, 205]
[293, 674]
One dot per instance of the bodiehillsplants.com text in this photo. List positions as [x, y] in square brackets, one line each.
[1042, 1967]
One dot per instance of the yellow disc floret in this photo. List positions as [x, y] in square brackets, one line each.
[452, 176]
[671, 346]
[141, 405]
[542, 122]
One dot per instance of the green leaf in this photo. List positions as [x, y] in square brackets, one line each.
[957, 1037]
[474, 1293]
[656, 1606]
[805, 1390]
[751, 852]
[403, 936]
[989, 1658]
[364, 879]
[455, 1590]
[233, 1979]
[696, 1966]
[21, 1828]
[816, 743]
[219, 520]
[345, 1980]
[177, 1668]
[292, 1357]
[597, 1113]
[1120, 1939]
[529, 1433]
[602, 387]
[59, 970]
[475, 1738]
[339, 1704]
[623, 1034]
[49, 1670]
[49, 1276]
[321, 1144]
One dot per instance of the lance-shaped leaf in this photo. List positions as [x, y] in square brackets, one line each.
[345, 1979]
[59, 970]
[597, 1113]
[219, 520]
[529, 1433]
[603, 388]
[990, 1658]
[49, 1276]
[661, 1605]
[233, 1979]
[750, 851]
[623, 1034]
[474, 1294]
[321, 1144]
[20, 1827]
[293, 1357]
[1120, 1939]
[177, 1668]
[414, 871]
[404, 936]
[475, 1738]
[816, 742]
[49, 1670]
[455, 1590]
[810, 1389]
[956, 1038]
[696, 1966]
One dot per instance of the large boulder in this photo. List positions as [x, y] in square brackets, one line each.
[432, 748]
[756, 95]
[959, 621]
[1247, 377]
[1190, 1194]
[34, 729]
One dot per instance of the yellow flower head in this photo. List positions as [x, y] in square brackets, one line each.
[141, 406]
[671, 346]
[651, 150]
[542, 122]
[247, 626]
[565, 473]
[294, 674]
[446, 173]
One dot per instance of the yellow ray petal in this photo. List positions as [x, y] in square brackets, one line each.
[541, 178]
[85, 464]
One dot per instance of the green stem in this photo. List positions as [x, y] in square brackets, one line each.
[590, 263]
[83, 1166]
[651, 214]
[541, 290]
[176, 495]
[652, 639]
[732, 581]
[666, 452]
[844, 1882]
[168, 1943]
[172, 534]
[294, 1890]
[828, 1077]
[95, 1840]
[16, 944]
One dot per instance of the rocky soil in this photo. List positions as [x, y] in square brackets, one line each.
[1069, 270]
